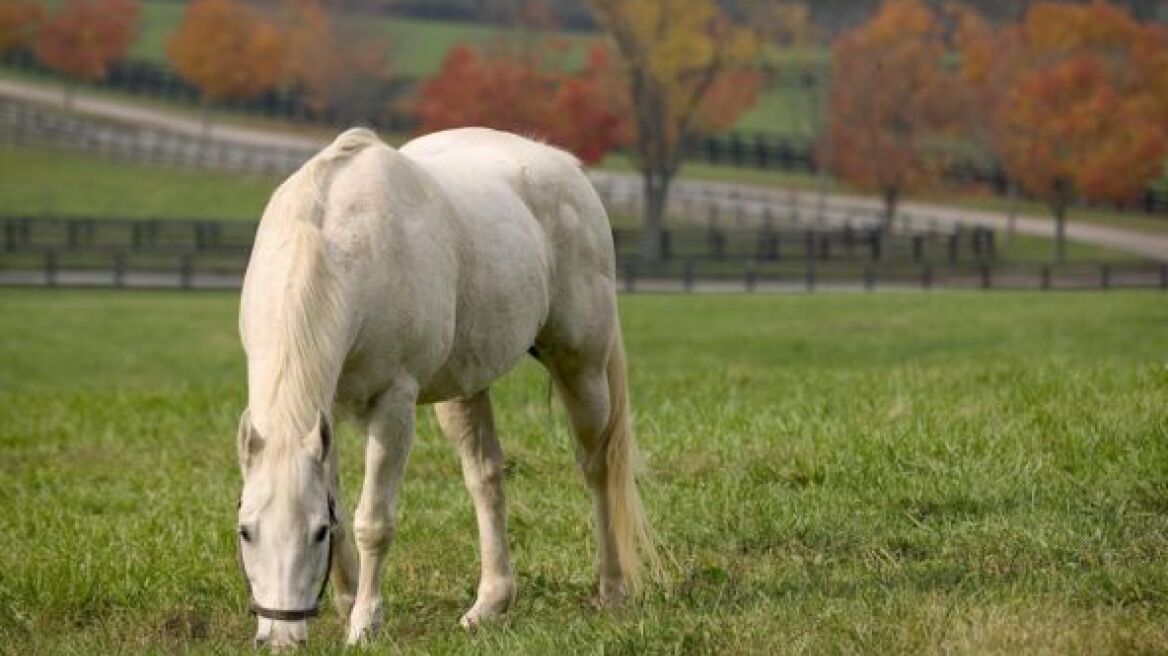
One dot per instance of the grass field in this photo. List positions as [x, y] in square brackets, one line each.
[50, 182]
[924, 473]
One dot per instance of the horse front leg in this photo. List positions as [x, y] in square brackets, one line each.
[346, 568]
[470, 425]
[387, 447]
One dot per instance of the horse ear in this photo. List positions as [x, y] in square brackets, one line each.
[321, 438]
[249, 441]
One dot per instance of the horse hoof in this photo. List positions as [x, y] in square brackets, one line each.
[364, 623]
[612, 594]
[495, 597]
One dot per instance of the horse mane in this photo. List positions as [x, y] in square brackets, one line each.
[305, 328]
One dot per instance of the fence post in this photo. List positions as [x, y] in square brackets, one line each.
[809, 274]
[986, 280]
[918, 247]
[869, 278]
[750, 277]
[953, 243]
[1046, 277]
[716, 243]
[186, 271]
[927, 277]
[72, 234]
[666, 244]
[687, 276]
[1105, 277]
[877, 240]
[120, 270]
[51, 268]
[630, 277]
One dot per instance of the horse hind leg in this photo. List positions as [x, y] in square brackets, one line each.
[469, 423]
[593, 390]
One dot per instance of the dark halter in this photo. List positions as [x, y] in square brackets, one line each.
[291, 615]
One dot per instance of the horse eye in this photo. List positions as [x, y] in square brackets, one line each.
[321, 534]
[244, 534]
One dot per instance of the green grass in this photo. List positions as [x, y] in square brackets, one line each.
[788, 110]
[1032, 249]
[41, 181]
[933, 473]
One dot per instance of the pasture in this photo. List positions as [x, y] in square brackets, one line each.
[901, 473]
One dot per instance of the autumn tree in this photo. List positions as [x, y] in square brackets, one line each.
[19, 22]
[227, 50]
[1075, 99]
[674, 52]
[583, 111]
[333, 66]
[84, 37]
[891, 100]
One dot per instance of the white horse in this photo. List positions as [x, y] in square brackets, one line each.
[382, 279]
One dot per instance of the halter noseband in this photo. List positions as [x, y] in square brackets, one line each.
[291, 615]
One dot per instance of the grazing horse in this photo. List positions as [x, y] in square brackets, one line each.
[382, 279]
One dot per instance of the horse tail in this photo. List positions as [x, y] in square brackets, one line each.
[635, 541]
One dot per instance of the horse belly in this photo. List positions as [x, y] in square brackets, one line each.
[503, 302]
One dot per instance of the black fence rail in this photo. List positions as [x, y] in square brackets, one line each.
[165, 236]
[202, 270]
[711, 246]
[843, 244]
[812, 276]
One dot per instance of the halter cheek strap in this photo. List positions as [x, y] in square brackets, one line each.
[284, 615]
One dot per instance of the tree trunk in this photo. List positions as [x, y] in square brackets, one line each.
[656, 194]
[1062, 199]
[70, 92]
[1060, 232]
[1012, 212]
[206, 120]
[891, 197]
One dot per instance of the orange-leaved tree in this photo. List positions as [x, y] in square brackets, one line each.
[892, 101]
[84, 37]
[1076, 102]
[674, 52]
[227, 50]
[511, 91]
[333, 65]
[19, 22]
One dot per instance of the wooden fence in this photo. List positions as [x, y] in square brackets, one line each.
[203, 254]
[194, 270]
[707, 246]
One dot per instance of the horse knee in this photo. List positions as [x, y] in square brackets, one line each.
[374, 535]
